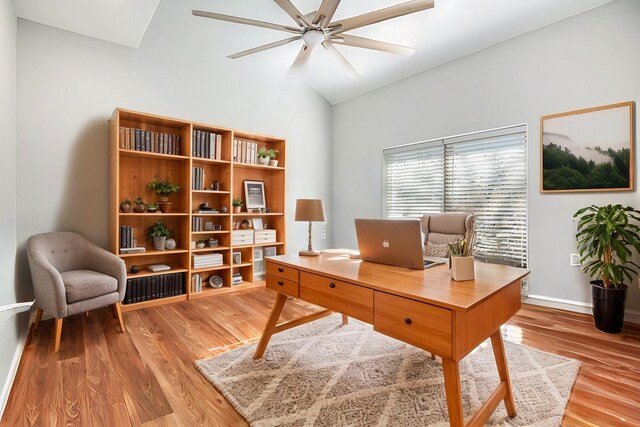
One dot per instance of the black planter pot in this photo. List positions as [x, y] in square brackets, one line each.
[608, 306]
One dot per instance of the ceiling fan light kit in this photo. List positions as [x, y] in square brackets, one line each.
[317, 28]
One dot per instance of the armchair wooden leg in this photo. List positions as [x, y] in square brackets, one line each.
[38, 319]
[345, 319]
[118, 309]
[58, 328]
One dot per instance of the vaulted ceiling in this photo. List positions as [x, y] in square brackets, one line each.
[451, 30]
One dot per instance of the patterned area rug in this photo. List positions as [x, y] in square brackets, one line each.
[326, 374]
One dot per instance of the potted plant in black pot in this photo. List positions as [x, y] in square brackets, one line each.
[607, 236]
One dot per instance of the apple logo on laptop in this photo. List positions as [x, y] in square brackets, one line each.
[385, 243]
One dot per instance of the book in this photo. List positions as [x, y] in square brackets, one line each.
[133, 250]
[158, 267]
[218, 147]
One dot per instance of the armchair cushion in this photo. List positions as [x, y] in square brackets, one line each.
[81, 285]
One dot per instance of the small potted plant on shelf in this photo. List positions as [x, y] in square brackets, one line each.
[273, 153]
[462, 267]
[200, 243]
[607, 236]
[237, 205]
[152, 207]
[125, 206]
[263, 156]
[159, 232]
[139, 205]
[164, 189]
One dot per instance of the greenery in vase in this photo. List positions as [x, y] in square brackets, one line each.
[138, 201]
[163, 188]
[159, 229]
[125, 202]
[605, 236]
[237, 202]
[152, 206]
[271, 153]
[460, 248]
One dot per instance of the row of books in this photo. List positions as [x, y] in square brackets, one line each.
[206, 145]
[128, 243]
[196, 283]
[245, 151]
[153, 287]
[208, 260]
[151, 142]
[197, 179]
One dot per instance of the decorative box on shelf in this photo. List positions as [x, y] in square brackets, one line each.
[242, 237]
[265, 236]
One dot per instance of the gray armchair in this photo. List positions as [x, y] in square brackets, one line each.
[440, 229]
[72, 275]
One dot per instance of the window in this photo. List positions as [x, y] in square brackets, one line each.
[484, 173]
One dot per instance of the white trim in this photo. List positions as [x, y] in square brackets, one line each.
[575, 306]
[13, 370]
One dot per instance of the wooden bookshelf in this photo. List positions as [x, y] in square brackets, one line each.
[222, 176]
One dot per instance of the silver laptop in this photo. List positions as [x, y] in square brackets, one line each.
[393, 242]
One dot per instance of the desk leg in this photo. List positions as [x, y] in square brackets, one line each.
[454, 394]
[503, 370]
[270, 327]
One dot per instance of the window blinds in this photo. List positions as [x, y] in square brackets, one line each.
[483, 173]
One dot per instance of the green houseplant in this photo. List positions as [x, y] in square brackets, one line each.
[164, 189]
[139, 207]
[607, 236]
[159, 232]
[125, 205]
[237, 205]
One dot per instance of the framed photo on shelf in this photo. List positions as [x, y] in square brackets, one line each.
[588, 150]
[237, 257]
[257, 224]
[254, 194]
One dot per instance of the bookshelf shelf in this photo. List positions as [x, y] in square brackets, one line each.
[201, 157]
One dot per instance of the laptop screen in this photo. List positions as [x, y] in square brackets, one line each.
[390, 241]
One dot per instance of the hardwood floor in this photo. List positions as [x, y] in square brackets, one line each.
[147, 376]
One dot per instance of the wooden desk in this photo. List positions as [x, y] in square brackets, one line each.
[422, 308]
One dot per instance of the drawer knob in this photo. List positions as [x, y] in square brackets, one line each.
[332, 285]
[280, 269]
[407, 320]
[280, 282]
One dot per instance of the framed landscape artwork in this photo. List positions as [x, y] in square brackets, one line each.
[588, 150]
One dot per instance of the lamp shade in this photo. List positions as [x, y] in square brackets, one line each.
[309, 210]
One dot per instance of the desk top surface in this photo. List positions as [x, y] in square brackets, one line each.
[433, 285]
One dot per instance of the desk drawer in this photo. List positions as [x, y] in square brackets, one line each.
[343, 297]
[282, 271]
[282, 285]
[416, 323]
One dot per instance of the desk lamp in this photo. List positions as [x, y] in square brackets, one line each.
[309, 210]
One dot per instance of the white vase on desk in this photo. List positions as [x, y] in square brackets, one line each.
[462, 268]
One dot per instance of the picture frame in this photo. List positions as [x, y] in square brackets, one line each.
[236, 257]
[588, 150]
[257, 224]
[254, 194]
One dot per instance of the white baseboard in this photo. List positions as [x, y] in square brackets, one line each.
[13, 369]
[576, 306]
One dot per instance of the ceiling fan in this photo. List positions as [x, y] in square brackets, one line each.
[316, 28]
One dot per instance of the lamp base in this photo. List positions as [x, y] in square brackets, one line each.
[308, 253]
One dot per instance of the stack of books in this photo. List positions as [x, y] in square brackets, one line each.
[151, 142]
[128, 244]
[196, 283]
[245, 151]
[208, 260]
[153, 287]
[207, 145]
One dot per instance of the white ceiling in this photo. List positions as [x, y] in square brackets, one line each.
[451, 30]
[117, 21]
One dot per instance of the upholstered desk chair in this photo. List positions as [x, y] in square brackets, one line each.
[72, 275]
[440, 229]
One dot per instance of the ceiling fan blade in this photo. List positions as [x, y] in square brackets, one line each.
[263, 47]
[293, 12]
[245, 21]
[302, 57]
[355, 41]
[341, 59]
[324, 15]
[380, 15]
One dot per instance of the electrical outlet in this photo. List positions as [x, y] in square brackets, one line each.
[323, 234]
[574, 260]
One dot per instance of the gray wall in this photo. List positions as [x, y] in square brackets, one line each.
[588, 60]
[12, 334]
[68, 85]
